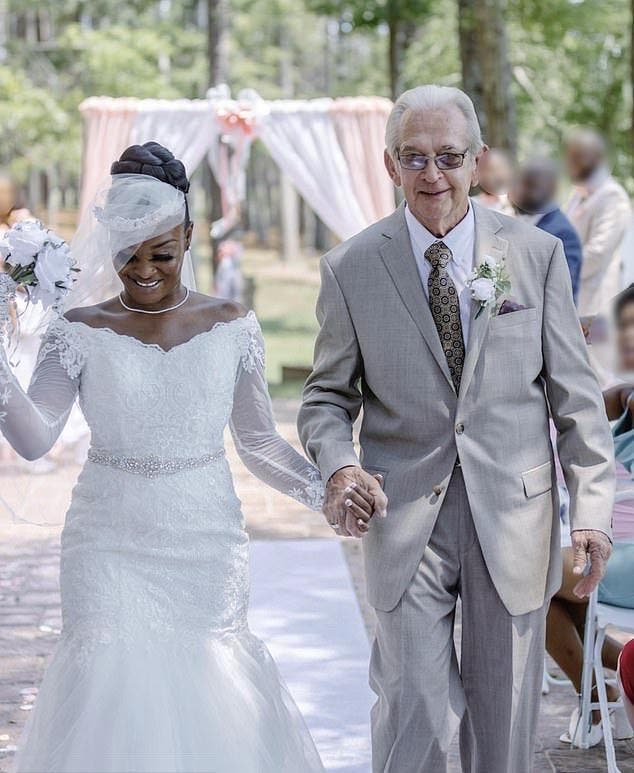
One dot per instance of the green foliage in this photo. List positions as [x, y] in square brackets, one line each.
[108, 47]
[433, 55]
[372, 13]
[159, 62]
[570, 61]
[267, 36]
[572, 68]
[36, 131]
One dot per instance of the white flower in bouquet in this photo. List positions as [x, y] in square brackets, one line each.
[53, 273]
[22, 243]
[39, 261]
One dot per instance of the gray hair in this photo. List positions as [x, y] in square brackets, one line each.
[431, 97]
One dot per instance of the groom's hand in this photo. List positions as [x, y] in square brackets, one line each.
[593, 546]
[353, 496]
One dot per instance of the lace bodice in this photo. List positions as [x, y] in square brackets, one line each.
[141, 400]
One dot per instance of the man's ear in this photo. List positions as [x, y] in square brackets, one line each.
[392, 169]
[475, 179]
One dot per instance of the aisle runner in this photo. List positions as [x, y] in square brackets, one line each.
[304, 607]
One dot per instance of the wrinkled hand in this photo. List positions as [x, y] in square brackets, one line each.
[353, 497]
[593, 546]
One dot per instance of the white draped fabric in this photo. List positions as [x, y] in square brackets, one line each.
[301, 138]
[331, 150]
[108, 125]
[186, 126]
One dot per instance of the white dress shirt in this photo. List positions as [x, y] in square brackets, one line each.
[461, 242]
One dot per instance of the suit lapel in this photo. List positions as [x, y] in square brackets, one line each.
[398, 256]
[487, 242]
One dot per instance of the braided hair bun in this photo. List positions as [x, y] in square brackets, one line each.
[154, 160]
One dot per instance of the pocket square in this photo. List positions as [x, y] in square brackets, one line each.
[508, 306]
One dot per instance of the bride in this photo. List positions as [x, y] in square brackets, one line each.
[156, 669]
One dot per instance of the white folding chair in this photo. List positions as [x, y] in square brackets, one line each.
[598, 618]
[564, 499]
[548, 679]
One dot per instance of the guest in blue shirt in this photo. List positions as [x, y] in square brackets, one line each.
[533, 196]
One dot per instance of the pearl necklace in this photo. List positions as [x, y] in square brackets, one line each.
[159, 311]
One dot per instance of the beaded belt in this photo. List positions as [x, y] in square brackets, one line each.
[152, 466]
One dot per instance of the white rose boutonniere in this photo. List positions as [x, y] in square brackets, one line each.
[488, 282]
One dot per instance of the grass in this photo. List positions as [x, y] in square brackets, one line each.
[287, 315]
[285, 299]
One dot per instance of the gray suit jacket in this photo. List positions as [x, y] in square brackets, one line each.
[378, 349]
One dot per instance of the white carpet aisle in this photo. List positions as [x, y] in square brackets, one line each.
[304, 608]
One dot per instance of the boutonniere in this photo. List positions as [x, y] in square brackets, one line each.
[488, 282]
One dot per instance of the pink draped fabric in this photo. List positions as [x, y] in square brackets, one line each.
[108, 124]
[360, 128]
[332, 150]
[228, 156]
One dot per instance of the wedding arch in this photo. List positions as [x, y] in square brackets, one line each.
[330, 149]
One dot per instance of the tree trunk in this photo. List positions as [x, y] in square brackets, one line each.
[216, 24]
[632, 78]
[394, 54]
[289, 198]
[216, 70]
[486, 71]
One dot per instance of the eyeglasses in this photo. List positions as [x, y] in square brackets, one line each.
[416, 162]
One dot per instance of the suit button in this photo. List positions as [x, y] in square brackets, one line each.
[437, 490]
[459, 429]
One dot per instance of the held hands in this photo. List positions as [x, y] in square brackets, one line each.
[594, 546]
[353, 497]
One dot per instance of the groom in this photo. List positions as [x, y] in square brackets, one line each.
[456, 405]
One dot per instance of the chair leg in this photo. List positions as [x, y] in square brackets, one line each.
[545, 685]
[608, 741]
[586, 677]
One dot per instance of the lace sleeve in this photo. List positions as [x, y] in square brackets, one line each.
[33, 421]
[264, 452]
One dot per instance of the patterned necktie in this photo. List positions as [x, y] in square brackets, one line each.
[445, 309]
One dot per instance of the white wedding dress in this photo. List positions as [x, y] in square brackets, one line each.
[156, 669]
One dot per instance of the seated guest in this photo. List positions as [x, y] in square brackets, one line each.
[625, 676]
[567, 613]
[533, 197]
[495, 174]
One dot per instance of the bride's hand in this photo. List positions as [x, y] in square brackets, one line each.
[353, 496]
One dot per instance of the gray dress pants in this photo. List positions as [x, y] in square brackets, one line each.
[423, 695]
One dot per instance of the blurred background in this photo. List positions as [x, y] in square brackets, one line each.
[534, 68]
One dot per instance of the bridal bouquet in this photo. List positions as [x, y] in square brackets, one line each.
[36, 260]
